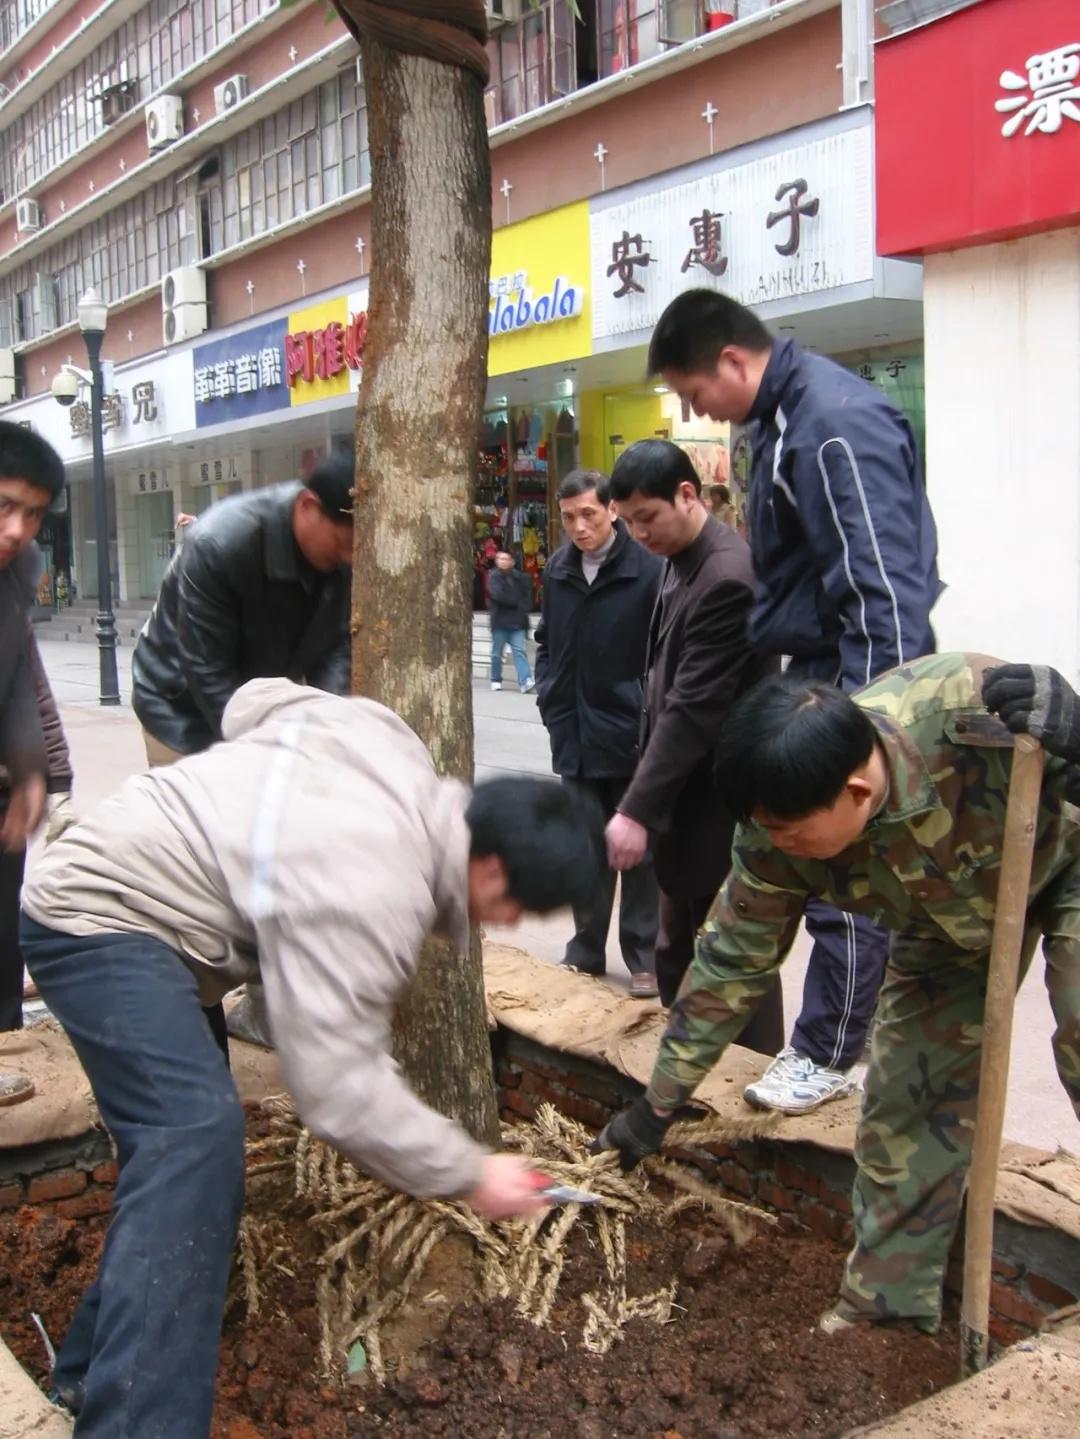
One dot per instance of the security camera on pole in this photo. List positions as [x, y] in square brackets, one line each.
[93, 314]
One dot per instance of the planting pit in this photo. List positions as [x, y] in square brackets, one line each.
[740, 1357]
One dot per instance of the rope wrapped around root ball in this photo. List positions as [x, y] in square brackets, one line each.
[374, 1243]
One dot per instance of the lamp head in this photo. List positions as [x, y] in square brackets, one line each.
[93, 313]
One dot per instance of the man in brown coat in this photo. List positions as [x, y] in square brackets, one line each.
[699, 662]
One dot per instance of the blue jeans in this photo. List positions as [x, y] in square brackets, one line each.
[516, 639]
[140, 1358]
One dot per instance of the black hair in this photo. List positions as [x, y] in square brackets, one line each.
[655, 468]
[720, 494]
[332, 481]
[551, 839]
[580, 482]
[696, 326]
[789, 746]
[24, 455]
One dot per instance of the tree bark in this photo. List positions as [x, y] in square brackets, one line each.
[417, 430]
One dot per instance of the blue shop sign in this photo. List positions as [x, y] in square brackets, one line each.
[241, 375]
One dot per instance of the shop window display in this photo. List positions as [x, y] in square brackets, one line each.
[523, 455]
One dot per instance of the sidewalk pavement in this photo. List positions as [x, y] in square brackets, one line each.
[106, 746]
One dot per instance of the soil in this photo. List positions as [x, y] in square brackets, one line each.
[743, 1359]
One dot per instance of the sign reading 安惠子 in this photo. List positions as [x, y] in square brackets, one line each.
[789, 223]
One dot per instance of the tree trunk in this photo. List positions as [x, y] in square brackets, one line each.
[417, 430]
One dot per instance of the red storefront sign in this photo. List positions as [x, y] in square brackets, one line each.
[978, 126]
[322, 354]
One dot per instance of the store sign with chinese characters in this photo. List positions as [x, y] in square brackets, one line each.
[149, 481]
[990, 150]
[133, 406]
[324, 347]
[791, 223]
[241, 375]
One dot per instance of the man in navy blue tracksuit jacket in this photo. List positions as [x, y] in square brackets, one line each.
[845, 553]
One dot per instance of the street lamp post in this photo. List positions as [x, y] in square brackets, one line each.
[93, 315]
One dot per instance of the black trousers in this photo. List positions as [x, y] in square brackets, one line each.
[680, 920]
[11, 960]
[638, 901]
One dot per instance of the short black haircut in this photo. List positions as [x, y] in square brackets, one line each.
[652, 467]
[789, 746]
[696, 326]
[580, 482]
[24, 455]
[720, 494]
[551, 839]
[332, 481]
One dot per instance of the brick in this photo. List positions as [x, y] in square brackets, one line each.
[585, 1111]
[1049, 1293]
[1003, 1269]
[837, 1199]
[94, 1201]
[732, 1176]
[519, 1104]
[775, 1196]
[1002, 1332]
[1009, 1304]
[104, 1173]
[61, 1184]
[11, 1196]
[794, 1176]
[825, 1222]
[720, 1150]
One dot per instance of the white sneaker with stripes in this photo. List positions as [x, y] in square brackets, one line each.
[794, 1084]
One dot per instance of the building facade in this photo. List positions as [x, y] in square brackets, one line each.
[205, 166]
[981, 178]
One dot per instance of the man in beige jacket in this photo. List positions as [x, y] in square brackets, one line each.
[318, 838]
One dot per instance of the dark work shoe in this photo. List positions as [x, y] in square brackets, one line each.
[582, 969]
[643, 985]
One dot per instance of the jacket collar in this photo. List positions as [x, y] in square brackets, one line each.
[624, 558]
[784, 359]
[280, 550]
[687, 562]
[911, 790]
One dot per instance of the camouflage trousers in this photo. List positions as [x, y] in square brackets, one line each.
[915, 1136]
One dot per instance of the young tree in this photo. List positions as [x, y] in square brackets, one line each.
[418, 424]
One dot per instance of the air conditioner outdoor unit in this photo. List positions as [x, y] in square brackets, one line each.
[164, 121]
[230, 92]
[186, 286]
[501, 12]
[182, 322]
[183, 304]
[27, 216]
[7, 376]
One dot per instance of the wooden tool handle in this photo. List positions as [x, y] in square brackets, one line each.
[1021, 818]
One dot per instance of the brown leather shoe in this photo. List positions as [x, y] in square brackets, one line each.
[643, 985]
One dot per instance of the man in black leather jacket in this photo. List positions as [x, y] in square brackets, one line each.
[259, 590]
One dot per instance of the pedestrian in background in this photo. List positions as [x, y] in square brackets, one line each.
[845, 555]
[31, 478]
[599, 592]
[699, 662]
[509, 602]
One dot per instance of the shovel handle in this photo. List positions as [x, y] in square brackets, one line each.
[1021, 818]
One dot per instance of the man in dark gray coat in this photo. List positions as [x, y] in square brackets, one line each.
[599, 592]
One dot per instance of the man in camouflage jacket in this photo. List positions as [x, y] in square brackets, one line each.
[922, 854]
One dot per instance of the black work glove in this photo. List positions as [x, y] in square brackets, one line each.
[635, 1133]
[1035, 700]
